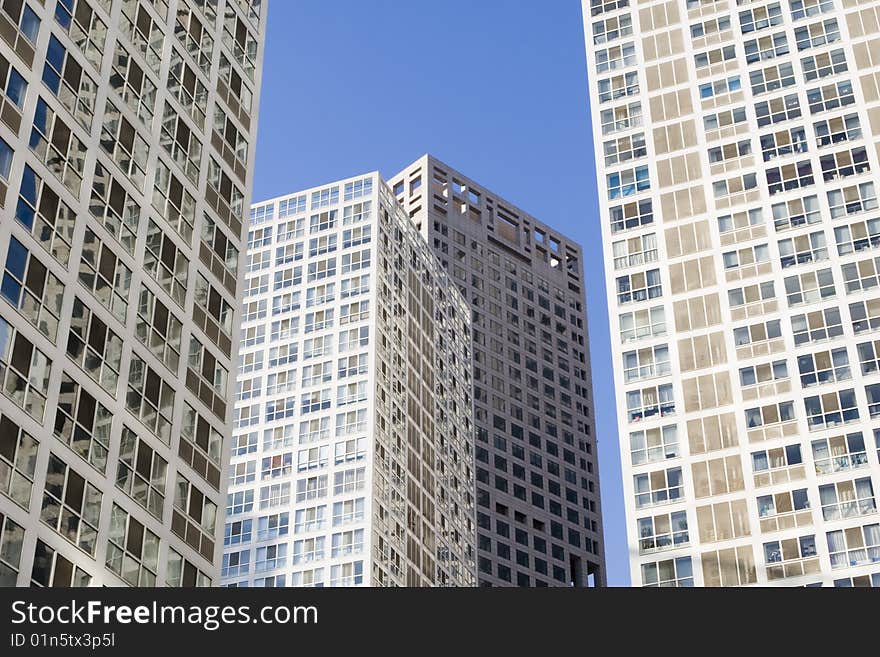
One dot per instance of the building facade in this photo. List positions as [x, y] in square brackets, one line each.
[127, 134]
[351, 459]
[737, 160]
[537, 479]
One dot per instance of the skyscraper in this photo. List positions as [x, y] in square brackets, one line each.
[537, 479]
[127, 134]
[737, 165]
[352, 460]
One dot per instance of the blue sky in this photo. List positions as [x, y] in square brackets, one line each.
[495, 88]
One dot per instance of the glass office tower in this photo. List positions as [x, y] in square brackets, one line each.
[127, 134]
[537, 478]
[352, 461]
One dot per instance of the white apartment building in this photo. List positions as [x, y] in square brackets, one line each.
[537, 478]
[352, 454]
[737, 167]
[127, 135]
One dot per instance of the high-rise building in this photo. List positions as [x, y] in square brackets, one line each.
[127, 134]
[736, 151]
[537, 479]
[352, 460]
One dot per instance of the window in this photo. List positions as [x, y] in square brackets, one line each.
[150, 399]
[803, 249]
[11, 540]
[854, 546]
[831, 409]
[125, 145]
[322, 221]
[797, 554]
[132, 549]
[816, 326]
[784, 510]
[847, 499]
[273, 526]
[194, 517]
[631, 215]
[181, 143]
[141, 473]
[94, 347]
[615, 57]
[639, 287]
[240, 41]
[598, 7]
[865, 315]
[58, 147]
[772, 78]
[824, 64]
[861, 275]
[69, 83]
[646, 363]
[759, 18]
[619, 118]
[856, 237]
[663, 532]
[658, 487]
[769, 415]
[642, 324]
[352, 262]
[852, 200]
[53, 569]
[777, 110]
[824, 367]
[635, 251]
[291, 206]
[347, 574]
[760, 253]
[652, 445]
[32, 289]
[724, 118]
[838, 129]
[185, 86]
[832, 96]
[24, 371]
[869, 356]
[166, 263]
[752, 296]
[349, 481]
[786, 142]
[624, 149]
[872, 392]
[766, 47]
[672, 572]
[715, 56]
[720, 87]
[803, 8]
[710, 26]
[735, 185]
[349, 451]
[71, 505]
[618, 86]
[763, 373]
[83, 423]
[24, 17]
[796, 212]
[348, 511]
[649, 402]
[49, 220]
[817, 34]
[18, 458]
[844, 163]
[174, 203]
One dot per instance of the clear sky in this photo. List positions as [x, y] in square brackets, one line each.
[495, 88]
